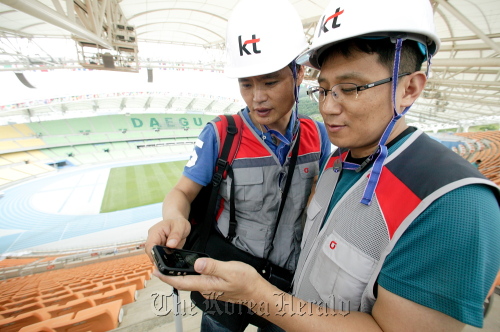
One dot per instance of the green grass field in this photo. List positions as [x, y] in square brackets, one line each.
[134, 186]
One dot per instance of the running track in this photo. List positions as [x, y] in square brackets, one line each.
[25, 223]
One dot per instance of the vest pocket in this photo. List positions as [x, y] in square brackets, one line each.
[340, 273]
[300, 188]
[312, 211]
[249, 188]
[252, 238]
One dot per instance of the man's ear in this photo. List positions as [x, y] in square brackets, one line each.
[300, 75]
[413, 87]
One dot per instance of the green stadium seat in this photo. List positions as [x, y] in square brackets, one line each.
[55, 140]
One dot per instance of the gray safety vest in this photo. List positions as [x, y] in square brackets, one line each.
[257, 173]
[340, 261]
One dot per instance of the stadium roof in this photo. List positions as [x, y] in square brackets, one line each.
[464, 88]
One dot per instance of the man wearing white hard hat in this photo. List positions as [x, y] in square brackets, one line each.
[261, 49]
[402, 233]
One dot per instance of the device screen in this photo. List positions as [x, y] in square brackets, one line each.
[175, 261]
[179, 258]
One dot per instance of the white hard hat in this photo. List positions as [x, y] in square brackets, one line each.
[263, 36]
[346, 19]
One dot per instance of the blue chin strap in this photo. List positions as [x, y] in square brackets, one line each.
[295, 114]
[381, 153]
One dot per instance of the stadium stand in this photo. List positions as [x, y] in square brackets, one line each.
[50, 145]
[485, 145]
[99, 129]
[88, 297]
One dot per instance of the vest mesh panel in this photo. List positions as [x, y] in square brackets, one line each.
[362, 227]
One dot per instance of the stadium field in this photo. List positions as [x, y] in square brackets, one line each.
[139, 185]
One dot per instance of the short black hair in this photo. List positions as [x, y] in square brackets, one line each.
[411, 55]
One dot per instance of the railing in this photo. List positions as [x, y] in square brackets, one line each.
[72, 260]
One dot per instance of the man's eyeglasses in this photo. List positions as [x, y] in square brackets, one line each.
[344, 91]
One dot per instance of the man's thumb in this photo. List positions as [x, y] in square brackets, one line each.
[200, 265]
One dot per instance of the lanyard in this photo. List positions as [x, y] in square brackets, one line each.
[339, 165]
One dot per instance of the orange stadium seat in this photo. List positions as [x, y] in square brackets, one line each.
[19, 303]
[14, 324]
[80, 288]
[489, 155]
[80, 283]
[145, 273]
[140, 282]
[70, 307]
[20, 310]
[68, 291]
[126, 294]
[113, 280]
[50, 289]
[4, 301]
[101, 318]
[54, 295]
[46, 325]
[61, 300]
[104, 317]
[98, 290]
[25, 294]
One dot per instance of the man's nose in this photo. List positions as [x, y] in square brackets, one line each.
[259, 94]
[330, 105]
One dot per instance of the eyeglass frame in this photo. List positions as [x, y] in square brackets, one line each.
[359, 88]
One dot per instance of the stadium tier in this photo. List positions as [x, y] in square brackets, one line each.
[99, 129]
[84, 298]
[488, 151]
[50, 145]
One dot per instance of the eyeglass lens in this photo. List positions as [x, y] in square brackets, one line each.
[339, 92]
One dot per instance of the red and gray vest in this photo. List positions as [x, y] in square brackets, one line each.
[341, 260]
[259, 179]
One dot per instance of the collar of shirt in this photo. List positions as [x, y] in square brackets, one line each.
[281, 149]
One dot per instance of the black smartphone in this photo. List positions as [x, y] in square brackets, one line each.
[175, 262]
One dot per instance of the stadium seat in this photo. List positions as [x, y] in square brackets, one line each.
[20, 310]
[113, 280]
[145, 273]
[19, 303]
[25, 295]
[101, 318]
[50, 289]
[49, 296]
[126, 294]
[489, 153]
[80, 288]
[46, 325]
[61, 300]
[140, 282]
[98, 290]
[70, 307]
[14, 324]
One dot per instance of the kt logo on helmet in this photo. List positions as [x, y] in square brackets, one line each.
[243, 46]
[334, 22]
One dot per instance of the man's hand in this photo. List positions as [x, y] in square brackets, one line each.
[235, 282]
[171, 233]
[174, 228]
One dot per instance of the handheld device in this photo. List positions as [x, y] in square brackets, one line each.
[175, 262]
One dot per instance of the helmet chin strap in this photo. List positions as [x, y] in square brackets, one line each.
[295, 113]
[382, 153]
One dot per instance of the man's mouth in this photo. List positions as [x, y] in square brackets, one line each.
[334, 127]
[261, 111]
